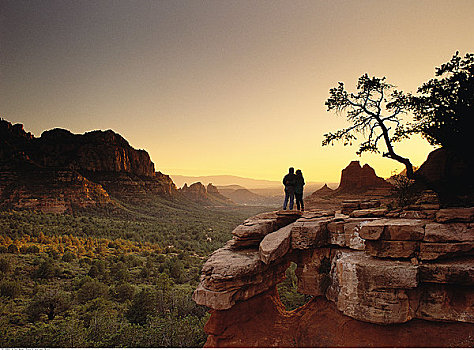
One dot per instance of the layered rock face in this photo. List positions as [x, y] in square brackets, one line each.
[399, 277]
[63, 170]
[50, 191]
[95, 151]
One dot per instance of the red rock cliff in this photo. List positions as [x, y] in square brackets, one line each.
[68, 169]
[357, 179]
[400, 279]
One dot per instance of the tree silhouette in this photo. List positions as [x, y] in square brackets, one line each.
[444, 110]
[375, 112]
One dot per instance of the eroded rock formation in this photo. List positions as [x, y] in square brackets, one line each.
[206, 195]
[357, 179]
[60, 170]
[392, 278]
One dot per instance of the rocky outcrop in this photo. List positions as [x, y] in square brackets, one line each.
[95, 151]
[197, 192]
[50, 191]
[357, 179]
[359, 188]
[263, 322]
[450, 175]
[70, 170]
[387, 273]
[323, 191]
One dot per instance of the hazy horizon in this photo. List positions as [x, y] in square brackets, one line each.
[227, 180]
[220, 87]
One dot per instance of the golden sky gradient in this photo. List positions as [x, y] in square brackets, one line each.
[220, 87]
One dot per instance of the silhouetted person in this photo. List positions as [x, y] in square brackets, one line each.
[299, 190]
[290, 182]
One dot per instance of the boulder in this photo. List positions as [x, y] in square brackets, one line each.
[275, 245]
[229, 269]
[449, 173]
[455, 215]
[413, 214]
[232, 275]
[377, 274]
[373, 203]
[314, 214]
[348, 206]
[336, 233]
[452, 232]
[216, 300]
[254, 229]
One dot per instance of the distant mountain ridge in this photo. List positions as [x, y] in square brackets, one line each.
[224, 180]
[261, 187]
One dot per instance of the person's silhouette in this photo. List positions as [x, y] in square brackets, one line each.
[299, 190]
[290, 182]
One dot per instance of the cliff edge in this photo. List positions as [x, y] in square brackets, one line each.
[378, 278]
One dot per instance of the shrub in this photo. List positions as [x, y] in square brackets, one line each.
[97, 268]
[46, 269]
[68, 256]
[50, 302]
[10, 289]
[91, 290]
[403, 190]
[32, 249]
[29, 249]
[119, 271]
[5, 265]
[142, 307]
[13, 249]
[124, 292]
[53, 253]
[85, 261]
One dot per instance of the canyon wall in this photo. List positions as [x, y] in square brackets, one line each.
[378, 278]
[61, 170]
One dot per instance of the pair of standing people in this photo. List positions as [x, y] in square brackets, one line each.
[294, 184]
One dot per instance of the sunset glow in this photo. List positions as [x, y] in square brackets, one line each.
[220, 87]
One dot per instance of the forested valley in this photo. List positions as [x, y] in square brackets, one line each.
[120, 278]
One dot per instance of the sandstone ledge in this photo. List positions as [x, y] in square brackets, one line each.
[386, 270]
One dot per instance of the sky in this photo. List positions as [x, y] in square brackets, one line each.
[220, 87]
